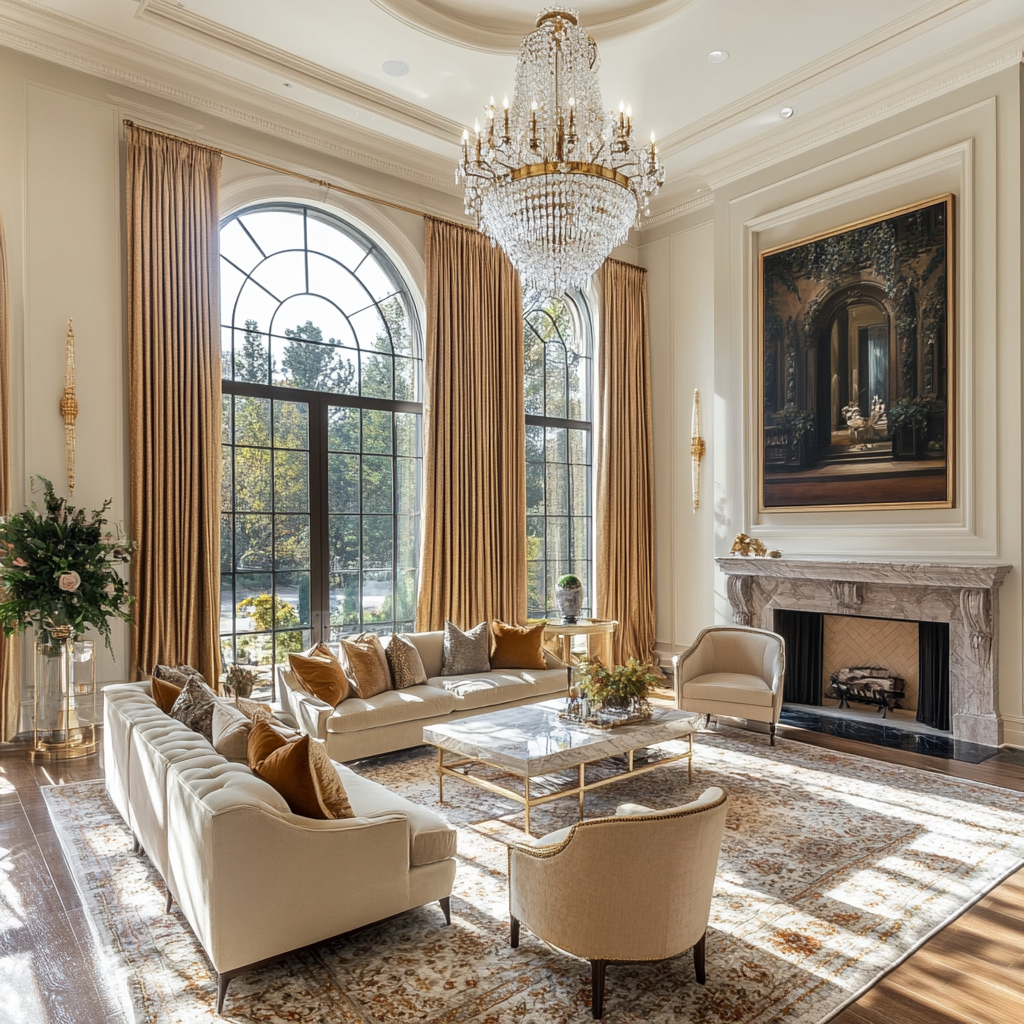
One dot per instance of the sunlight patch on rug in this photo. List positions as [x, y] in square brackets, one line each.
[833, 869]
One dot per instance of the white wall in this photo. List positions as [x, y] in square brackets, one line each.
[967, 142]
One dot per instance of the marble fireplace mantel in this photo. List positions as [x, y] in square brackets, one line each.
[965, 596]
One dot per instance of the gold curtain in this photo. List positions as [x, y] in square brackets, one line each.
[474, 532]
[625, 463]
[10, 686]
[174, 399]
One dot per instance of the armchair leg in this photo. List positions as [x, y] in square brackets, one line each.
[514, 933]
[446, 908]
[771, 729]
[222, 989]
[597, 984]
[136, 845]
[170, 898]
[698, 958]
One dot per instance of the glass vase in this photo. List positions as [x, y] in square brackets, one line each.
[65, 709]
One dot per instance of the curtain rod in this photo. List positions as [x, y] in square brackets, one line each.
[296, 174]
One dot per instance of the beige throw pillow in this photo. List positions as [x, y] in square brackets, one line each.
[365, 664]
[230, 732]
[405, 662]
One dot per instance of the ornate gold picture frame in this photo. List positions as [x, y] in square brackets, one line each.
[856, 364]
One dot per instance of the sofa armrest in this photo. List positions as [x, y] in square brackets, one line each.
[310, 713]
[552, 660]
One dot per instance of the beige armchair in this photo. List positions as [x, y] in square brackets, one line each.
[733, 670]
[634, 887]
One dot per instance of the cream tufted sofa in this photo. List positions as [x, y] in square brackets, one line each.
[395, 719]
[733, 670]
[202, 820]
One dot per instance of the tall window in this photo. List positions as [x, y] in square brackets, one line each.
[321, 436]
[556, 337]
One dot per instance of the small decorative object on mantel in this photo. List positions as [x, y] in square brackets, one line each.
[60, 572]
[569, 598]
[747, 546]
[697, 448]
[607, 698]
[69, 407]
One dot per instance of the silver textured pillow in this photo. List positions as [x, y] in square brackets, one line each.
[194, 707]
[466, 652]
[405, 662]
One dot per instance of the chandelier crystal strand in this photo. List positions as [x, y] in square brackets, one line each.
[552, 177]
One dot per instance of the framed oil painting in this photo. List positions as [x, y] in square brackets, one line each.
[856, 366]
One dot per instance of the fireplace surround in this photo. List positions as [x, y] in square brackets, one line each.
[965, 596]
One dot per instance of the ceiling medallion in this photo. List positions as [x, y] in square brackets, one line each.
[554, 178]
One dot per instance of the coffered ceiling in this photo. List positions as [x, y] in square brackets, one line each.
[313, 69]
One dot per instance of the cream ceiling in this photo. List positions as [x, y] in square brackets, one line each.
[312, 68]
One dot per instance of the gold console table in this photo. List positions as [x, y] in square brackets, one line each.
[600, 634]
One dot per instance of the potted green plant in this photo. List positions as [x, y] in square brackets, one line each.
[569, 597]
[908, 426]
[60, 571]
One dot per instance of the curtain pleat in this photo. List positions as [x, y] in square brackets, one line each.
[474, 518]
[625, 464]
[10, 688]
[174, 399]
[933, 674]
[804, 635]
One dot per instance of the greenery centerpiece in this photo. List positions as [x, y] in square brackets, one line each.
[59, 572]
[609, 697]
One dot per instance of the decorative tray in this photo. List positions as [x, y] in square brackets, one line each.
[582, 713]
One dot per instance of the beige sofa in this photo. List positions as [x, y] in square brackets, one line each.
[395, 719]
[202, 820]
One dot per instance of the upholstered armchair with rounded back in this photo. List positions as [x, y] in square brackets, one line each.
[733, 670]
[634, 887]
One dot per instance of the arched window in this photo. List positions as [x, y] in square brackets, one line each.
[557, 342]
[321, 435]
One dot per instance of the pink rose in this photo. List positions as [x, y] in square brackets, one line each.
[20, 563]
[69, 581]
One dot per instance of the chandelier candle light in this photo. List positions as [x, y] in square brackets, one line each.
[554, 178]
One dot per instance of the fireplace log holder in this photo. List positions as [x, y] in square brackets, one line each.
[867, 686]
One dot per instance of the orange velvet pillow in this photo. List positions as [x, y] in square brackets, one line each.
[517, 646]
[301, 772]
[164, 693]
[321, 675]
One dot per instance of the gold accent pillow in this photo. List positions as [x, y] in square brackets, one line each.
[321, 675]
[517, 646]
[405, 662]
[164, 693]
[365, 664]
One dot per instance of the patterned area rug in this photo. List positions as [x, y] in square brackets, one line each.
[833, 869]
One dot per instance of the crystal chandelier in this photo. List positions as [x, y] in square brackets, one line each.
[554, 178]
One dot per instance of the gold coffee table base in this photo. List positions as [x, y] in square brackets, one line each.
[580, 790]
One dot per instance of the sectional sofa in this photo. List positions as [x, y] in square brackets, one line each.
[395, 719]
[202, 819]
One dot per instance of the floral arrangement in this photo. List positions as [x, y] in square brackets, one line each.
[623, 687]
[241, 680]
[59, 568]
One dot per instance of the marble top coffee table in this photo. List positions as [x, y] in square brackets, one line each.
[534, 744]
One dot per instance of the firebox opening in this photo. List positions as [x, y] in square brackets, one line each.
[855, 665]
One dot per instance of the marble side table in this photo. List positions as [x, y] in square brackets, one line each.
[599, 634]
[532, 742]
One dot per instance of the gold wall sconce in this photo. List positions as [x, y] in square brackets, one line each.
[69, 407]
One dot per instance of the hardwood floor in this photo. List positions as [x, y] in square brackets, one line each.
[971, 972]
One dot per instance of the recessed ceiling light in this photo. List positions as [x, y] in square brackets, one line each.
[287, 85]
[395, 67]
[718, 56]
[786, 112]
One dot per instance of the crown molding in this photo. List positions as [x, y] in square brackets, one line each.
[154, 117]
[503, 35]
[995, 50]
[863, 49]
[677, 210]
[168, 15]
[72, 43]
